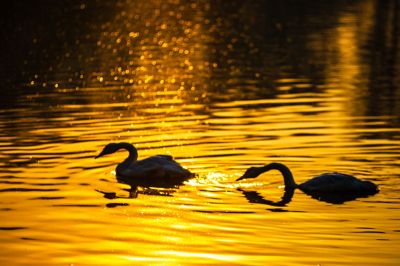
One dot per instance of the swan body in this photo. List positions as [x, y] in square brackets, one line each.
[155, 171]
[322, 186]
[337, 182]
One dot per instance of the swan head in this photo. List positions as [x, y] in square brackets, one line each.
[252, 172]
[108, 149]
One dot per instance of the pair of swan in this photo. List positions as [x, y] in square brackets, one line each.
[163, 171]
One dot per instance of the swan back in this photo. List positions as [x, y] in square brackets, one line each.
[155, 171]
[338, 183]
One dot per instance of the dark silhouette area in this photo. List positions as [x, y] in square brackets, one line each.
[252, 43]
[383, 85]
[41, 38]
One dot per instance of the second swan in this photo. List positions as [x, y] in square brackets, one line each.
[319, 186]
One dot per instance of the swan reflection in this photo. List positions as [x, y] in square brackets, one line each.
[135, 193]
[255, 197]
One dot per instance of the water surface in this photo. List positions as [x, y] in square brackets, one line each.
[221, 86]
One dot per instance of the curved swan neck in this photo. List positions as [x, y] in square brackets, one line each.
[133, 154]
[285, 171]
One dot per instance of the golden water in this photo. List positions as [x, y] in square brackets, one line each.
[221, 87]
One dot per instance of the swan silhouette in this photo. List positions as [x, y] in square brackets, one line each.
[155, 171]
[329, 187]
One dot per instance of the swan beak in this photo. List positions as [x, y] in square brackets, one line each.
[247, 174]
[100, 155]
[240, 178]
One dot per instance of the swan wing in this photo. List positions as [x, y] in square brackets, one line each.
[166, 157]
[155, 171]
[335, 183]
[155, 160]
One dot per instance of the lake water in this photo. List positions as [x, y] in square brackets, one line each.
[221, 86]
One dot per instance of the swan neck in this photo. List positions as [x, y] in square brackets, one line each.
[285, 171]
[133, 154]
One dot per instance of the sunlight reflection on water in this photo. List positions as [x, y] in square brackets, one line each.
[221, 87]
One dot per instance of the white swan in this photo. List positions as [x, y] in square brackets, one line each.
[328, 183]
[155, 171]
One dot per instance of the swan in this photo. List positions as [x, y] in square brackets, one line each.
[155, 171]
[329, 187]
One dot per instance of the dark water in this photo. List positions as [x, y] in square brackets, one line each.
[221, 86]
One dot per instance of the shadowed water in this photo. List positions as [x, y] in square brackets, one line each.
[221, 86]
